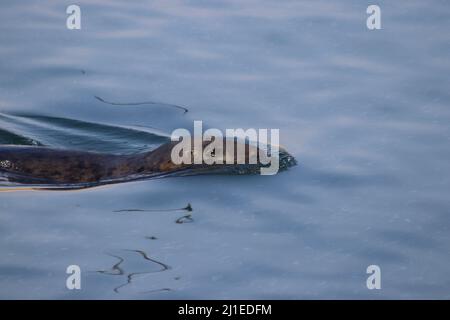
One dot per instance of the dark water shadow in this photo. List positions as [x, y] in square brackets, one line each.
[33, 129]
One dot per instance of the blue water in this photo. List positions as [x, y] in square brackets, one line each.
[366, 114]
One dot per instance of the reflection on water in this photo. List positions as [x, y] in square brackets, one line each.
[185, 219]
[184, 109]
[187, 208]
[116, 270]
[366, 113]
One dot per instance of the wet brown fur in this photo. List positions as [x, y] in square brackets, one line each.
[75, 167]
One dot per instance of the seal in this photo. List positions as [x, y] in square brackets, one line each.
[44, 166]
